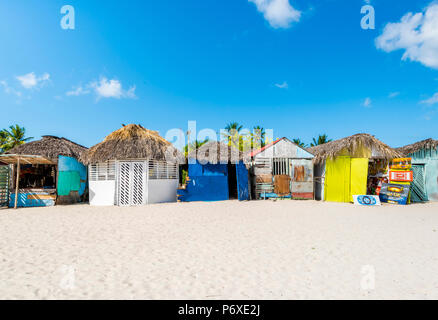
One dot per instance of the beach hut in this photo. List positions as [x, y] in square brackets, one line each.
[349, 166]
[281, 165]
[46, 172]
[132, 166]
[424, 156]
[216, 172]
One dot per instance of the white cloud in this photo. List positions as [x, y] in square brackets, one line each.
[9, 90]
[393, 94]
[111, 89]
[30, 80]
[416, 34]
[279, 13]
[432, 100]
[367, 102]
[283, 85]
[78, 91]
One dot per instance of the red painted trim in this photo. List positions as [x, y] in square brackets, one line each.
[255, 152]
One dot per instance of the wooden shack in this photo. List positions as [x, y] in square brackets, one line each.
[281, 169]
[424, 156]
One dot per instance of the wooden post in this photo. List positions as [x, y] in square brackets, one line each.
[17, 183]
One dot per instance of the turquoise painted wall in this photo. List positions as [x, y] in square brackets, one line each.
[428, 157]
[27, 200]
[72, 176]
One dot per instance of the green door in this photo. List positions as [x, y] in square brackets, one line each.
[418, 186]
[4, 186]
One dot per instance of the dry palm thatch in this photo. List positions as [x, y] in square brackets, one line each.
[216, 152]
[49, 147]
[352, 145]
[427, 144]
[132, 142]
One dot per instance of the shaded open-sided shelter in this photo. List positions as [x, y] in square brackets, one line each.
[345, 167]
[424, 156]
[281, 161]
[216, 172]
[46, 172]
[132, 166]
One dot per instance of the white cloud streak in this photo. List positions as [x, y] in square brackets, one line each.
[9, 90]
[30, 80]
[432, 100]
[367, 102]
[416, 34]
[279, 13]
[79, 91]
[111, 89]
[283, 85]
[104, 88]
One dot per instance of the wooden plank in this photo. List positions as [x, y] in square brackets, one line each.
[41, 197]
[17, 183]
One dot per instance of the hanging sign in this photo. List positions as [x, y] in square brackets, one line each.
[402, 176]
[401, 163]
[394, 193]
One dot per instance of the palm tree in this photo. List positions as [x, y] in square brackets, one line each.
[258, 137]
[15, 137]
[299, 143]
[3, 141]
[232, 131]
[322, 138]
[194, 146]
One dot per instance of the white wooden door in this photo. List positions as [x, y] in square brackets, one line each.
[131, 183]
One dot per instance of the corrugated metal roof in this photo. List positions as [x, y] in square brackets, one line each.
[255, 152]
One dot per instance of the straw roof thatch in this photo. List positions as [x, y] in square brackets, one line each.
[351, 145]
[420, 145]
[132, 142]
[216, 152]
[49, 147]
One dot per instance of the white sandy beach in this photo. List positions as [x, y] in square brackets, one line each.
[226, 250]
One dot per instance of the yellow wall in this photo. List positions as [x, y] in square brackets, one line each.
[345, 177]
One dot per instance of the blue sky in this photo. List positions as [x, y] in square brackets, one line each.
[300, 67]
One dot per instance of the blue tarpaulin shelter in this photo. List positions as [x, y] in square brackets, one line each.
[216, 172]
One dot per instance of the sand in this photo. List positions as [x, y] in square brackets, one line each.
[225, 250]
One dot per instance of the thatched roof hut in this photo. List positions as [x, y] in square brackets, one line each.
[354, 145]
[420, 145]
[216, 152]
[50, 147]
[132, 142]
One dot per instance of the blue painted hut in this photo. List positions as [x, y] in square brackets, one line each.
[424, 156]
[216, 172]
[46, 172]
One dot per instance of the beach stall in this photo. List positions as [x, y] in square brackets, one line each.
[424, 155]
[4, 184]
[132, 166]
[354, 165]
[216, 172]
[45, 172]
[281, 169]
